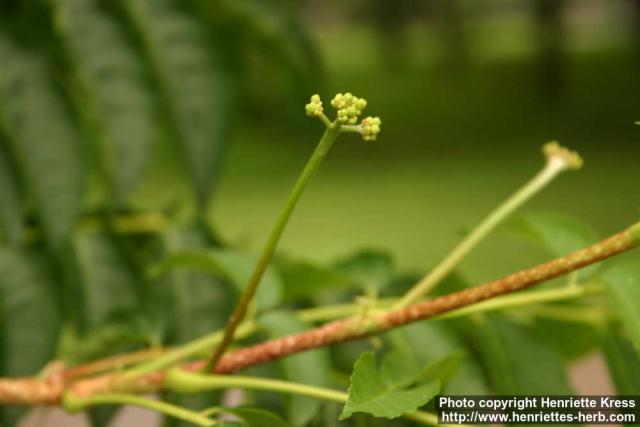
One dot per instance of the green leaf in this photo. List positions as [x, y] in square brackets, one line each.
[110, 338]
[303, 279]
[622, 277]
[239, 267]
[232, 265]
[311, 367]
[368, 268]
[108, 283]
[29, 317]
[256, 417]
[570, 339]
[517, 361]
[114, 95]
[29, 309]
[45, 141]
[202, 302]
[10, 197]
[22, 293]
[197, 303]
[443, 342]
[624, 363]
[275, 32]
[398, 387]
[195, 82]
[558, 234]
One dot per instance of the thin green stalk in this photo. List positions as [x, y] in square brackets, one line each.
[558, 160]
[337, 311]
[75, 404]
[173, 357]
[327, 140]
[594, 316]
[187, 382]
[516, 300]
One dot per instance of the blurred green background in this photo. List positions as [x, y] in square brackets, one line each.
[468, 92]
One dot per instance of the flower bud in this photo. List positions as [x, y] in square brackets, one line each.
[555, 152]
[371, 128]
[314, 108]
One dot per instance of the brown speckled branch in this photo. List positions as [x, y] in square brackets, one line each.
[29, 391]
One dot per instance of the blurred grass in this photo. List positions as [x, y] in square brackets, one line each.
[455, 142]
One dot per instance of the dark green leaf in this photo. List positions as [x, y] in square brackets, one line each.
[303, 279]
[239, 267]
[623, 281]
[108, 284]
[624, 363]
[274, 31]
[517, 361]
[10, 197]
[311, 367]
[114, 95]
[30, 314]
[29, 318]
[469, 378]
[107, 339]
[44, 138]
[570, 339]
[194, 80]
[256, 417]
[368, 268]
[234, 266]
[201, 301]
[397, 387]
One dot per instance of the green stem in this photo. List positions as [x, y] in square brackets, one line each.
[199, 345]
[187, 382]
[516, 300]
[595, 316]
[75, 404]
[502, 211]
[327, 140]
[337, 311]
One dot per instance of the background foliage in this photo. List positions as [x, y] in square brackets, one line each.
[115, 117]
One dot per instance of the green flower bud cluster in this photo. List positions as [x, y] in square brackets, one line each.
[349, 107]
[371, 128]
[314, 108]
[571, 159]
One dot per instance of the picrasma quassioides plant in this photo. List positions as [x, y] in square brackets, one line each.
[349, 109]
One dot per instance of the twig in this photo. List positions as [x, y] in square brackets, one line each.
[30, 391]
[559, 159]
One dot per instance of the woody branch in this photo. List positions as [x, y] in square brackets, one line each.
[53, 386]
